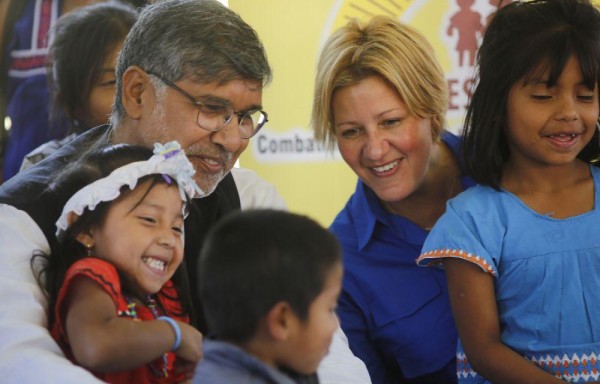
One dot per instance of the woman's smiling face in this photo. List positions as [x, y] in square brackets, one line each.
[386, 146]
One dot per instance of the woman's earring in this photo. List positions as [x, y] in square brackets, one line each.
[88, 249]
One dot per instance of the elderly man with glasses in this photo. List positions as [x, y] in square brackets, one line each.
[191, 71]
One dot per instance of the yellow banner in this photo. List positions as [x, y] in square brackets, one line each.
[313, 180]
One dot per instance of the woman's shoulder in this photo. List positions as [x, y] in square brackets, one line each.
[451, 139]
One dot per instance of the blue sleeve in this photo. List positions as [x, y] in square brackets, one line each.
[354, 324]
[464, 232]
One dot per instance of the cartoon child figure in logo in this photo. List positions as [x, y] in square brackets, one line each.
[468, 25]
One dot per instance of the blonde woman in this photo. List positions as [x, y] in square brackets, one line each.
[381, 96]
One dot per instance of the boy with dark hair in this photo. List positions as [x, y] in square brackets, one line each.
[269, 282]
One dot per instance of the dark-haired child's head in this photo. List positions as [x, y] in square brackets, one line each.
[138, 230]
[95, 165]
[269, 282]
[528, 43]
[82, 57]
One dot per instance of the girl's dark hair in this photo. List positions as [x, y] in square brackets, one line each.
[50, 269]
[82, 40]
[520, 37]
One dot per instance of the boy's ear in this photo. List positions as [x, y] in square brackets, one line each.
[280, 321]
[133, 85]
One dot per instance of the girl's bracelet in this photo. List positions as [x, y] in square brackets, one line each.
[176, 329]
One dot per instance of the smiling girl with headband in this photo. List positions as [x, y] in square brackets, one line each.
[118, 293]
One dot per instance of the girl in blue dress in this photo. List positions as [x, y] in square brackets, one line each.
[521, 251]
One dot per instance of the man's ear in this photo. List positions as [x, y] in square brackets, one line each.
[134, 84]
[280, 321]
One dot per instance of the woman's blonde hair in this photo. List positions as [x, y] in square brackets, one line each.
[387, 48]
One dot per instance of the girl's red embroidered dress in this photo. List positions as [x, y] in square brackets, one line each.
[159, 371]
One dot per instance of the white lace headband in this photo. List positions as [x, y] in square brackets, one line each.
[168, 160]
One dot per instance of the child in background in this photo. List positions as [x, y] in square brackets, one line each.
[81, 69]
[521, 251]
[115, 283]
[269, 284]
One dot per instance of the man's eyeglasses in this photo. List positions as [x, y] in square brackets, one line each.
[215, 116]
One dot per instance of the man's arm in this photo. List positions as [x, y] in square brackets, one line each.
[340, 366]
[28, 354]
[256, 192]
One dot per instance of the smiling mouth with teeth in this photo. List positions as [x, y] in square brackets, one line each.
[564, 136]
[386, 167]
[154, 263]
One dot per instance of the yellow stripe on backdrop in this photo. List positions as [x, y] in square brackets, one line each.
[312, 179]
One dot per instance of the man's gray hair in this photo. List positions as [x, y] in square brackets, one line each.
[198, 39]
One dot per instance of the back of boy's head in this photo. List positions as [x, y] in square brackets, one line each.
[254, 259]
[523, 39]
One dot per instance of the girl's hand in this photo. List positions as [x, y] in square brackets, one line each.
[185, 368]
[190, 348]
